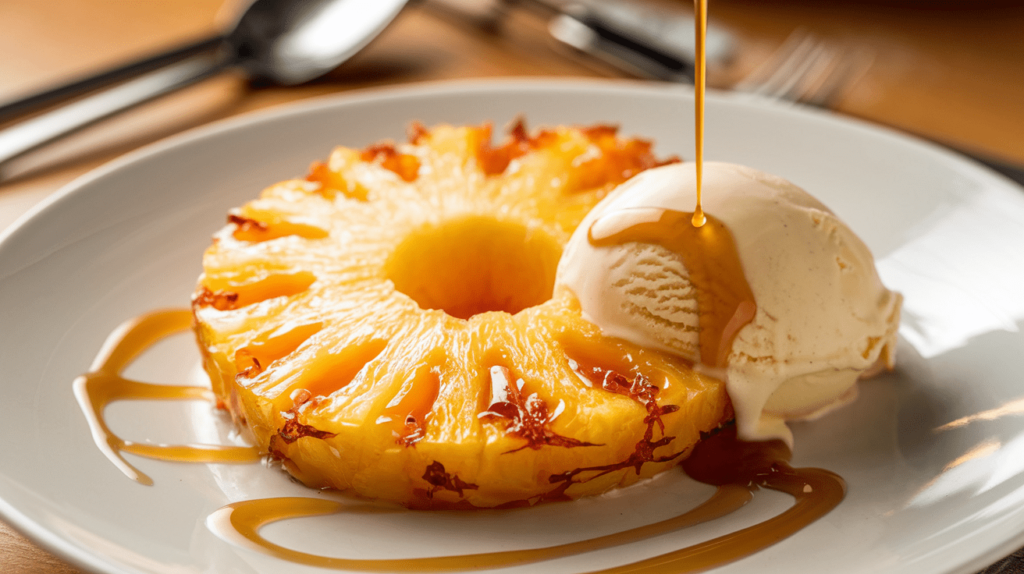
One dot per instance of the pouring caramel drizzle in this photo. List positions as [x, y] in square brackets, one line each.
[738, 470]
[103, 384]
[700, 22]
[724, 299]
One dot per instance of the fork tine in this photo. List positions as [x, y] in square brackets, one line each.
[794, 44]
[788, 82]
[821, 79]
[846, 72]
[805, 69]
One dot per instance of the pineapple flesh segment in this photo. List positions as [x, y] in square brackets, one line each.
[387, 326]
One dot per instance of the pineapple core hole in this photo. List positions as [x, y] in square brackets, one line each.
[474, 265]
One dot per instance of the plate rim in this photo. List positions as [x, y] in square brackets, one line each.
[94, 562]
[480, 86]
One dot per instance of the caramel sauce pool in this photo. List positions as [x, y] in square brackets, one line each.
[103, 384]
[736, 468]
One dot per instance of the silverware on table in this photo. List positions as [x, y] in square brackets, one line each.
[803, 69]
[282, 41]
[293, 41]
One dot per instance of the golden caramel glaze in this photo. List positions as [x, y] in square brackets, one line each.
[353, 322]
[725, 302]
[738, 469]
[103, 384]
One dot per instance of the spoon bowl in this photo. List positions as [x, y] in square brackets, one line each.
[283, 41]
[289, 42]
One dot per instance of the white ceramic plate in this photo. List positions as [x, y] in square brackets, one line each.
[127, 239]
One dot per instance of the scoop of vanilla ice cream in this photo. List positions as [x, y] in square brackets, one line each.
[823, 317]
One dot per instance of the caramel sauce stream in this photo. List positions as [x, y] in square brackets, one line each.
[103, 384]
[724, 299]
[738, 469]
[700, 22]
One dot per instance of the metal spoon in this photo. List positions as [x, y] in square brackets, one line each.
[284, 41]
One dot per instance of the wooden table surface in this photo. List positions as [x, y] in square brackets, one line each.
[945, 70]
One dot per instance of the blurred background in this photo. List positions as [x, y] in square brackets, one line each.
[948, 71]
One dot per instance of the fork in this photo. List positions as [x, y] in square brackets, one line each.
[806, 69]
[802, 69]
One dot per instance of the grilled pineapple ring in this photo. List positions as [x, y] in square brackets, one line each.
[386, 326]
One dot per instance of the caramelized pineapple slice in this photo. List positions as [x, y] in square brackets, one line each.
[387, 326]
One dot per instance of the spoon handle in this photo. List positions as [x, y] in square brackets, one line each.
[12, 109]
[41, 129]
